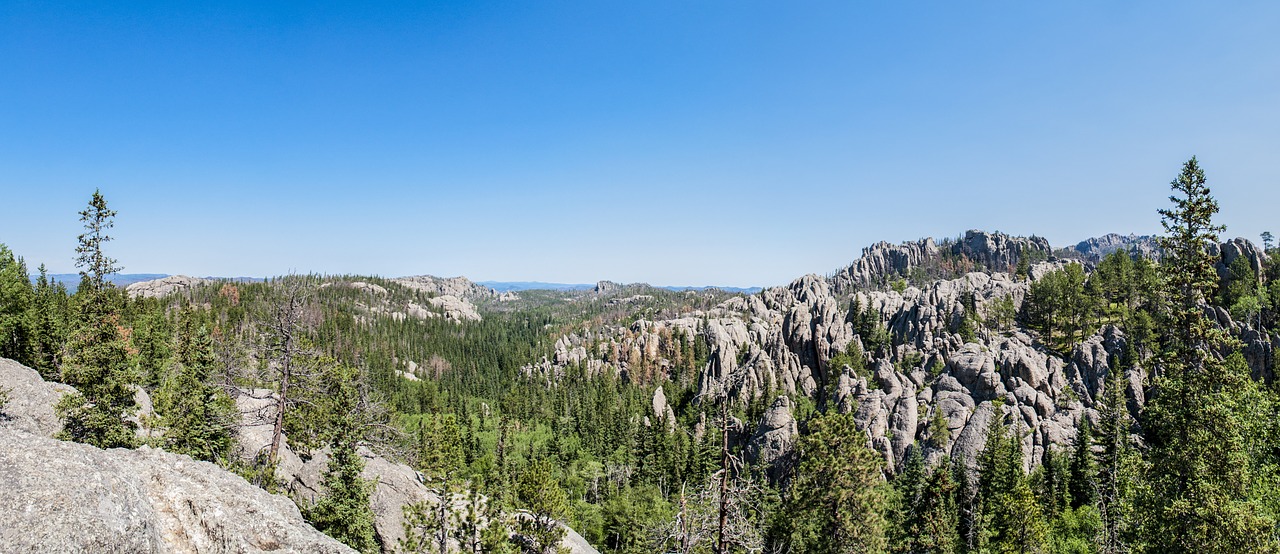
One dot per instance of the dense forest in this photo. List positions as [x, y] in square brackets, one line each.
[1195, 469]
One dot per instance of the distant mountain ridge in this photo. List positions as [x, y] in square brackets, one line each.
[122, 280]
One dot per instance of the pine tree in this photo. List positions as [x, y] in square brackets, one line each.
[1117, 464]
[547, 504]
[1011, 519]
[838, 498]
[344, 512]
[197, 416]
[16, 333]
[97, 363]
[1082, 481]
[909, 491]
[49, 315]
[938, 515]
[1200, 483]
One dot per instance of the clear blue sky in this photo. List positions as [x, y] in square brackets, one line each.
[734, 143]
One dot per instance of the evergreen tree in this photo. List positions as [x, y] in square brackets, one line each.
[49, 316]
[97, 362]
[1200, 483]
[1011, 519]
[344, 512]
[909, 491]
[152, 339]
[197, 416]
[16, 333]
[1117, 465]
[1082, 483]
[1053, 478]
[547, 504]
[838, 500]
[938, 532]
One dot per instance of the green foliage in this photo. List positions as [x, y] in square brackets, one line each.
[1082, 480]
[153, 340]
[540, 494]
[197, 416]
[4, 401]
[440, 445]
[426, 527]
[1002, 313]
[633, 509]
[1074, 531]
[97, 363]
[1201, 493]
[838, 501]
[1010, 518]
[1058, 307]
[50, 315]
[939, 432]
[898, 285]
[16, 297]
[344, 512]
[1119, 466]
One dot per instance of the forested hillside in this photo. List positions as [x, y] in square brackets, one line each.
[983, 393]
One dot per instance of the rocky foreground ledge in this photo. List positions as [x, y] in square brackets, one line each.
[68, 497]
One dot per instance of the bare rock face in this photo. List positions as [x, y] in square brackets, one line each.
[998, 251]
[164, 286]
[455, 308]
[1236, 248]
[992, 251]
[773, 444]
[1097, 248]
[31, 400]
[68, 497]
[459, 287]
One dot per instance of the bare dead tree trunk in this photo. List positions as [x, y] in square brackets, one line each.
[724, 471]
[684, 522]
[284, 325]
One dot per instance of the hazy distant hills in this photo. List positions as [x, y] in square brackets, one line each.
[72, 280]
[515, 286]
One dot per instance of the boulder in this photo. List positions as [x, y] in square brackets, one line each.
[31, 400]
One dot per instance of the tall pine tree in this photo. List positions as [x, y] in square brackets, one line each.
[97, 361]
[1200, 483]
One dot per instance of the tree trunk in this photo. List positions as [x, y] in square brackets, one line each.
[724, 470]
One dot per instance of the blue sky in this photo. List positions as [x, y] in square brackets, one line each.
[679, 143]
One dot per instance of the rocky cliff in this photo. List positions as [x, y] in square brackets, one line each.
[785, 339]
[975, 250]
[1095, 249]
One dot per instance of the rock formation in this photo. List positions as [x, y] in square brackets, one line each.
[1095, 249]
[785, 338]
[975, 250]
[69, 497]
[459, 287]
[773, 444]
[31, 400]
[164, 286]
